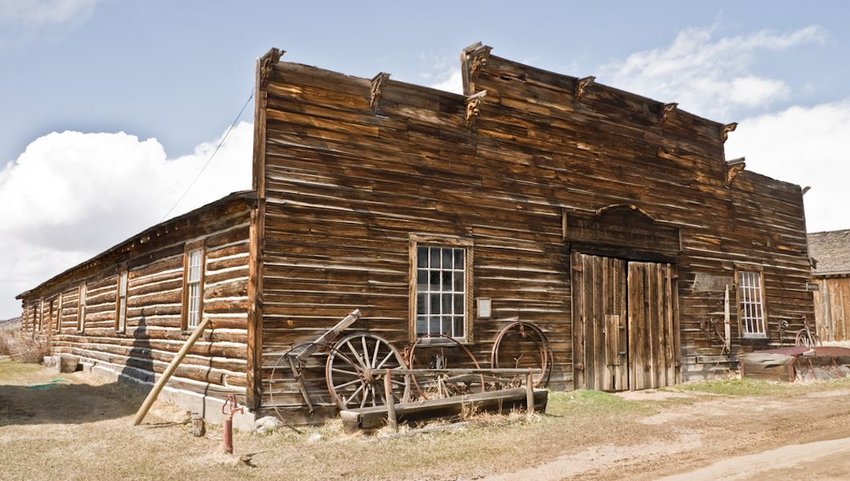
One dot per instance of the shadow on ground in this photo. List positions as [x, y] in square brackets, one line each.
[57, 401]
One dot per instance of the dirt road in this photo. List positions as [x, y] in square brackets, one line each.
[79, 427]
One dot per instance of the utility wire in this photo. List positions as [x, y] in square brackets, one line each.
[212, 156]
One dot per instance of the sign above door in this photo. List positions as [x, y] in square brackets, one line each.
[621, 226]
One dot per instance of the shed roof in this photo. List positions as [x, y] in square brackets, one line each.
[831, 251]
[144, 237]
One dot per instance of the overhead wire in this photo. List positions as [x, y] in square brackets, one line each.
[211, 157]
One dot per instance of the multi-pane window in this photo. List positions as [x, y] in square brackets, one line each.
[121, 322]
[440, 291]
[194, 270]
[81, 308]
[751, 308]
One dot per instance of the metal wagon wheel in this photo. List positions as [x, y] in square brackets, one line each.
[806, 338]
[444, 385]
[523, 344]
[355, 368]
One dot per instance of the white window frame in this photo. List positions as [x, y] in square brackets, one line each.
[446, 291]
[752, 308]
[121, 301]
[81, 308]
[193, 300]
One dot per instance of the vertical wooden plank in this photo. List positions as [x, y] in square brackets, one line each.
[670, 353]
[577, 289]
[650, 295]
[634, 323]
[660, 325]
[622, 286]
[677, 329]
[598, 323]
[605, 366]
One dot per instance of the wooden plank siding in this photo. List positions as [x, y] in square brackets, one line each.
[832, 308]
[154, 261]
[345, 184]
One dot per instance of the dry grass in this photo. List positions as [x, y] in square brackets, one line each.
[18, 346]
[81, 429]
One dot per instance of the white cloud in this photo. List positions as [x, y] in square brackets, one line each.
[450, 81]
[806, 146]
[71, 195]
[706, 76]
[44, 12]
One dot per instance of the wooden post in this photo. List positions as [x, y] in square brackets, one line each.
[529, 395]
[166, 375]
[388, 399]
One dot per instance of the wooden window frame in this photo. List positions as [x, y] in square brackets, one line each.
[184, 318]
[442, 241]
[81, 307]
[740, 298]
[61, 300]
[121, 310]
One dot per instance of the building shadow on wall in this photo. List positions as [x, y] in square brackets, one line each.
[140, 358]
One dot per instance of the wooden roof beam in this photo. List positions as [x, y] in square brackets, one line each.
[377, 90]
[582, 86]
[666, 110]
[473, 106]
[267, 63]
[733, 168]
[724, 131]
[472, 60]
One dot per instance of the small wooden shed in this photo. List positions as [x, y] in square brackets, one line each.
[611, 221]
[830, 253]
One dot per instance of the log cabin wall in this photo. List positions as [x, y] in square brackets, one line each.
[155, 329]
[348, 169]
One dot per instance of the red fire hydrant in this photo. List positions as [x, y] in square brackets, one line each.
[229, 408]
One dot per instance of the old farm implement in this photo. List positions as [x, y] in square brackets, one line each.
[362, 371]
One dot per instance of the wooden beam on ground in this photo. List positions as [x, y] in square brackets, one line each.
[166, 375]
[372, 418]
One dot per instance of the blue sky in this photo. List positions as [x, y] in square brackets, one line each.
[139, 92]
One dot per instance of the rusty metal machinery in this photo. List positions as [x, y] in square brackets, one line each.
[523, 344]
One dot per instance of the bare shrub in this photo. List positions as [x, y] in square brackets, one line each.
[22, 348]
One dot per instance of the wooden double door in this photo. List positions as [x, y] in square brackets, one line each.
[625, 324]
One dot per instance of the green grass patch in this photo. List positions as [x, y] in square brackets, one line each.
[585, 402]
[738, 387]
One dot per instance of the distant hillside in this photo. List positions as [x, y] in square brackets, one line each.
[12, 323]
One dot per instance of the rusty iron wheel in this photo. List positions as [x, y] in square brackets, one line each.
[421, 393]
[531, 345]
[355, 370]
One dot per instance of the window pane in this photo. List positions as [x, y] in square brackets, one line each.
[447, 258]
[422, 325]
[447, 280]
[435, 304]
[421, 257]
[447, 304]
[434, 284]
[434, 325]
[446, 328]
[422, 281]
[458, 303]
[458, 326]
[421, 304]
[458, 282]
[458, 259]
[435, 257]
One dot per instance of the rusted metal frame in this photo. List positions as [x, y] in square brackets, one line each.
[542, 343]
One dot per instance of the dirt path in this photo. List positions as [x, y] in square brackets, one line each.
[78, 427]
[743, 438]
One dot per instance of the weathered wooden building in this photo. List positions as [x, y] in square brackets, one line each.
[830, 253]
[611, 221]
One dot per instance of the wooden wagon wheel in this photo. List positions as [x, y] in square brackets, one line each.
[522, 344]
[443, 383]
[355, 368]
